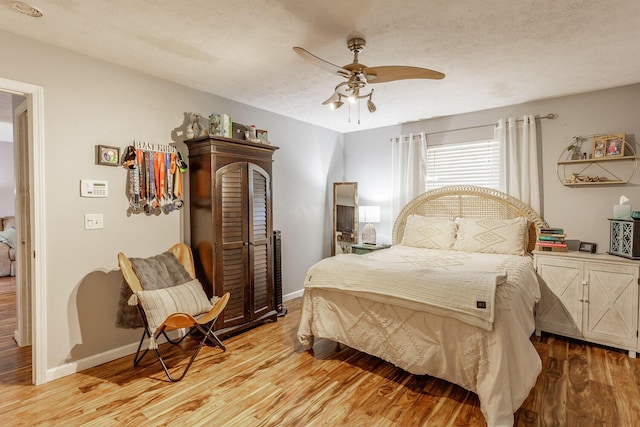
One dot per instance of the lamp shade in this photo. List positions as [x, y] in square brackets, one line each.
[369, 214]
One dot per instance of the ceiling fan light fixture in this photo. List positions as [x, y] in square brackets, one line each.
[355, 94]
[332, 98]
[26, 9]
[336, 104]
[370, 105]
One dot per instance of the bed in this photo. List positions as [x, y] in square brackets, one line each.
[452, 298]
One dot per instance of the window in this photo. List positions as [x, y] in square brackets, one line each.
[471, 163]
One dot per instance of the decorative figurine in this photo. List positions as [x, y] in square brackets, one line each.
[194, 128]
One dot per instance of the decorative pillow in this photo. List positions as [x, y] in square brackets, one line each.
[492, 236]
[427, 232]
[187, 298]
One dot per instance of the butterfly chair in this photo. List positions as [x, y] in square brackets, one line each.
[176, 307]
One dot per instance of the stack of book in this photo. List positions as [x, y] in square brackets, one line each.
[551, 239]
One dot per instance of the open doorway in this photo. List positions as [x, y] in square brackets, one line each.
[28, 124]
[15, 284]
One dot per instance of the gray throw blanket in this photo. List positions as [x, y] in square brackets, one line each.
[157, 272]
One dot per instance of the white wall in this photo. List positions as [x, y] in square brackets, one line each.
[89, 102]
[367, 161]
[581, 211]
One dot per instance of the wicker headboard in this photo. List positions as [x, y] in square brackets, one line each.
[468, 201]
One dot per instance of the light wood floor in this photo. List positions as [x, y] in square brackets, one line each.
[266, 379]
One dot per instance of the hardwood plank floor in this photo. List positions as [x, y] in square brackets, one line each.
[266, 379]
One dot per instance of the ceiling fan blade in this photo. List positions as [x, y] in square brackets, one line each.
[399, 72]
[321, 63]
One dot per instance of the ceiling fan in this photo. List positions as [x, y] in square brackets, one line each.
[359, 76]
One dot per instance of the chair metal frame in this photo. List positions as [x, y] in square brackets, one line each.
[203, 324]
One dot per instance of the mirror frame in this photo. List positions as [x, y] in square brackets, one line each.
[354, 238]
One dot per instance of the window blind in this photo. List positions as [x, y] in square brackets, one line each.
[468, 163]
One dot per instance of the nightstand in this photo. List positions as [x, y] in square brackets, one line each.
[365, 248]
[591, 297]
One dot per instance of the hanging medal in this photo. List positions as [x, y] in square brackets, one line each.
[150, 180]
[136, 188]
[178, 186]
[169, 206]
[141, 180]
[158, 184]
[130, 191]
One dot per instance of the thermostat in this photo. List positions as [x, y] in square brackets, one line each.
[93, 188]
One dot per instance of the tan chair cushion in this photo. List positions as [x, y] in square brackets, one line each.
[187, 298]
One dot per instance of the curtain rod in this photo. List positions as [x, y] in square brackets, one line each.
[549, 116]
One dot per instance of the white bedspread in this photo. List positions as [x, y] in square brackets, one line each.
[468, 296]
[501, 365]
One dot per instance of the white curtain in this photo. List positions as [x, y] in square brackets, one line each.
[408, 170]
[520, 151]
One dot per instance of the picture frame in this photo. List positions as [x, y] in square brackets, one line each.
[263, 136]
[605, 146]
[588, 247]
[108, 155]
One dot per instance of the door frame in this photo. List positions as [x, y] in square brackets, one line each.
[35, 105]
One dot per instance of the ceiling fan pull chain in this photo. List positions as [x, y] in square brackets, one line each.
[358, 101]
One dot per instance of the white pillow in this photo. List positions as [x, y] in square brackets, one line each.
[427, 232]
[492, 236]
[158, 304]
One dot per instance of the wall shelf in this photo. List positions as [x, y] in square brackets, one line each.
[607, 170]
[604, 159]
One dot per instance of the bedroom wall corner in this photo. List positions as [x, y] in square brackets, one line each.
[367, 160]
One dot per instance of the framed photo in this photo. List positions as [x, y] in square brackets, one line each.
[108, 156]
[608, 146]
[263, 136]
[588, 247]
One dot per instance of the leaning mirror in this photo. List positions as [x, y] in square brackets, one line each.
[345, 216]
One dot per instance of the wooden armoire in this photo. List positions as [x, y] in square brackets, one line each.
[231, 227]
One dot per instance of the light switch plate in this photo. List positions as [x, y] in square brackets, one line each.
[93, 221]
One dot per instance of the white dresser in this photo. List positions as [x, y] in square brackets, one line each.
[591, 297]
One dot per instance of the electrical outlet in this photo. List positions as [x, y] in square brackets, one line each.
[93, 221]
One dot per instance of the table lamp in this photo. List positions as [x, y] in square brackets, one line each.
[369, 214]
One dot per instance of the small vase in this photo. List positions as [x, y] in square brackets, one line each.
[577, 155]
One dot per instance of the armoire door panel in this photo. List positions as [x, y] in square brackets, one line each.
[260, 187]
[261, 294]
[231, 195]
[262, 299]
[232, 261]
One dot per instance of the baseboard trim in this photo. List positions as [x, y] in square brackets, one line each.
[100, 358]
[111, 355]
[292, 295]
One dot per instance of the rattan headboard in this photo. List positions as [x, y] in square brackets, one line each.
[468, 201]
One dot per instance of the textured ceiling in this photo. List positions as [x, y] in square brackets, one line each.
[494, 53]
